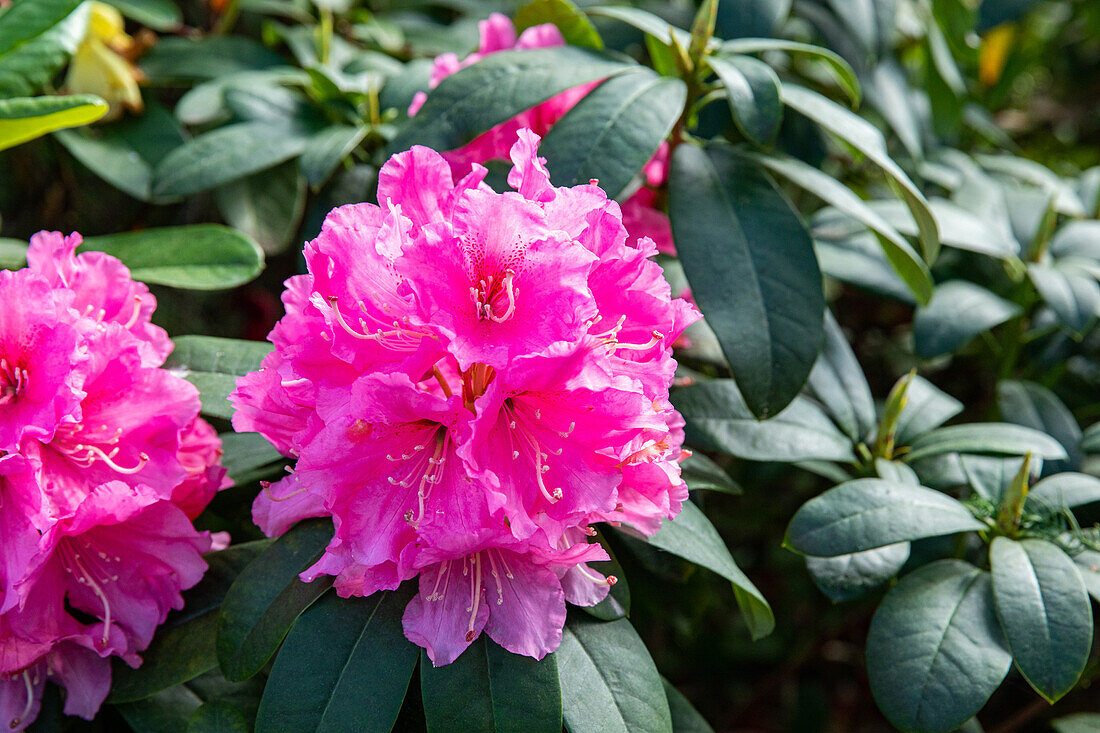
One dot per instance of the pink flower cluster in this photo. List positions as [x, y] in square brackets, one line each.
[469, 380]
[103, 464]
[640, 214]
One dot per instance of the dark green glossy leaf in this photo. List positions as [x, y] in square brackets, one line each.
[718, 418]
[613, 132]
[1071, 292]
[700, 472]
[339, 648]
[838, 383]
[845, 577]
[868, 513]
[244, 453]
[608, 680]
[160, 15]
[752, 271]
[752, 90]
[617, 602]
[226, 154]
[217, 716]
[179, 653]
[685, 718]
[643, 20]
[1067, 489]
[1088, 565]
[866, 138]
[959, 311]
[327, 149]
[935, 652]
[25, 118]
[497, 88]
[1045, 612]
[490, 689]
[218, 355]
[196, 257]
[692, 536]
[266, 206]
[181, 59]
[926, 407]
[164, 712]
[266, 599]
[995, 438]
[1035, 406]
[906, 262]
[844, 74]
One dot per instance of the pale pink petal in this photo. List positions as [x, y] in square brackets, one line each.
[448, 613]
[527, 609]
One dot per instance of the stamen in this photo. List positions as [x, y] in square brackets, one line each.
[475, 601]
[657, 337]
[266, 486]
[108, 458]
[135, 315]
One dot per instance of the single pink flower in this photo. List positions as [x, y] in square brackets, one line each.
[468, 379]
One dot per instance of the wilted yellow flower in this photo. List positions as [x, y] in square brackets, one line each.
[100, 65]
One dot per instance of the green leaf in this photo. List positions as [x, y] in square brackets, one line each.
[267, 598]
[645, 21]
[224, 155]
[934, 652]
[1066, 200]
[1067, 489]
[752, 270]
[205, 102]
[868, 513]
[990, 476]
[160, 15]
[497, 88]
[1035, 406]
[866, 138]
[700, 472]
[608, 680]
[574, 25]
[213, 364]
[614, 130]
[926, 407]
[1090, 439]
[718, 418]
[164, 712]
[36, 39]
[25, 118]
[691, 536]
[895, 472]
[182, 59]
[995, 438]
[266, 206]
[196, 257]
[906, 262]
[859, 260]
[685, 718]
[958, 227]
[339, 648]
[845, 577]
[959, 311]
[217, 716]
[752, 90]
[1045, 613]
[490, 689]
[123, 153]
[1071, 292]
[838, 383]
[843, 73]
[247, 453]
[179, 653]
[327, 149]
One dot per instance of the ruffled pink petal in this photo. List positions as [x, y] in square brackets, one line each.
[448, 613]
[85, 676]
[528, 608]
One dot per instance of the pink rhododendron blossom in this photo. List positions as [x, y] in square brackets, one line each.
[640, 214]
[103, 460]
[468, 379]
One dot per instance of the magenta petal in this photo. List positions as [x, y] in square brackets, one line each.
[85, 676]
[528, 607]
[442, 617]
[21, 698]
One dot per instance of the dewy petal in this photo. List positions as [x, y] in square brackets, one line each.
[448, 613]
[527, 611]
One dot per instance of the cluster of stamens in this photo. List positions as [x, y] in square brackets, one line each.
[13, 380]
[87, 565]
[489, 290]
[85, 454]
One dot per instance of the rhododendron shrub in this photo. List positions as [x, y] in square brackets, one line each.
[640, 214]
[104, 461]
[468, 380]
